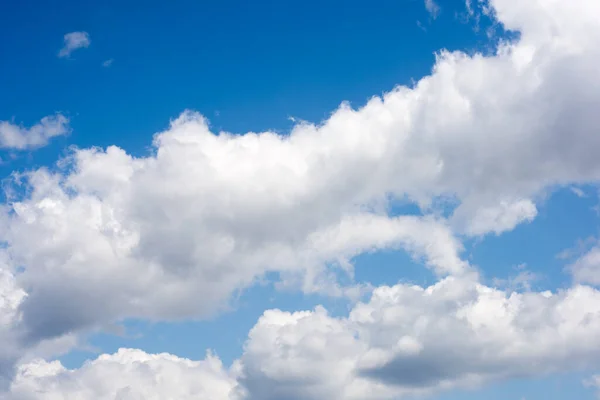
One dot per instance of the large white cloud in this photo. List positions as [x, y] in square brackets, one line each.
[12, 346]
[414, 340]
[405, 340]
[171, 235]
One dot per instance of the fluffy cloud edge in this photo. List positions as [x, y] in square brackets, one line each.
[19, 137]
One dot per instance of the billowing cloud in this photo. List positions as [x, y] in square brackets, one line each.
[412, 340]
[10, 298]
[17, 137]
[126, 375]
[74, 41]
[586, 269]
[405, 340]
[480, 140]
[12, 346]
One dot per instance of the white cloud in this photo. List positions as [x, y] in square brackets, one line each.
[578, 192]
[126, 375]
[593, 382]
[10, 298]
[432, 7]
[74, 41]
[108, 62]
[171, 235]
[17, 137]
[405, 340]
[501, 217]
[12, 347]
[586, 269]
[410, 340]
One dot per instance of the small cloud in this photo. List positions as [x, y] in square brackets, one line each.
[521, 267]
[432, 8]
[74, 41]
[17, 137]
[520, 282]
[577, 191]
[593, 382]
[580, 247]
[471, 14]
[108, 62]
[421, 26]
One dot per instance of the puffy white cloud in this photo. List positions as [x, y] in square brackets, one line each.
[586, 269]
[74, 41]
[12, 347]
[17, 137]
[412, 340]
[166, 259]
[405, 340]
[10, 298]
[126, 375]
[500, 217]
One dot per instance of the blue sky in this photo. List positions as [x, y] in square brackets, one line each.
[478, 177]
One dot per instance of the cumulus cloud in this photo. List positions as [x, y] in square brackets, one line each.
[411, 340]
[586, 269]
[12, 347]
[126, 375]
[18, 137]
[171, 235]
[501, 217]
[74, 41]
[10, 298]
[406, 340]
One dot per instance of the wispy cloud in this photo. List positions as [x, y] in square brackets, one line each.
[74, 41]
[433, 8]
[17, 137]
[108, 62]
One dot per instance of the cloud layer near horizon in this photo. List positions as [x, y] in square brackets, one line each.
[172, 235]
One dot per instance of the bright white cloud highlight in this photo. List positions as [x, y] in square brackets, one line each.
[74, 41]
[126, 375]
[18, 137]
